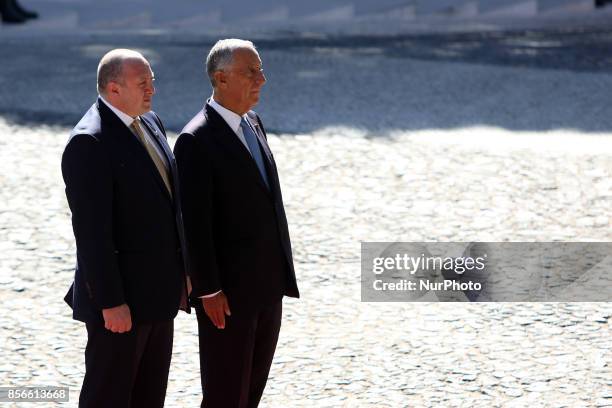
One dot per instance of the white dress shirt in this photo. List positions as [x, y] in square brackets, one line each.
[232, 119]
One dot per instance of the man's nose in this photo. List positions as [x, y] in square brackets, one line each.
[262, 77]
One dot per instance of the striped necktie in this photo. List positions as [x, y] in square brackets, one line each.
[153, 153]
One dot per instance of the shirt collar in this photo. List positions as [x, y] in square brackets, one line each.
[125, 118]
[231, 118]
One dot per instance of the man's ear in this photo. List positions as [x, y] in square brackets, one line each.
[220, 79]
[113, 88]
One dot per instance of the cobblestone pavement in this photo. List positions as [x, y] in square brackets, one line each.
[346, 181]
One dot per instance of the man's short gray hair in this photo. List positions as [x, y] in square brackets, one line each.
[221, 55]
[110, 68]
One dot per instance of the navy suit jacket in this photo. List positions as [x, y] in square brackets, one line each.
[236, 227]
[128, 228]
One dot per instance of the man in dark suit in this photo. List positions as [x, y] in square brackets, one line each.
[122, 188]
[240, 252]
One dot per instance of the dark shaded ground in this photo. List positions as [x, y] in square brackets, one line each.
[521, 80]
[579, 50]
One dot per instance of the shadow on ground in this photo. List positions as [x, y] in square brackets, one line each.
[522, 80]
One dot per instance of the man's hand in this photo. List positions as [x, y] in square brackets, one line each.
[118, 319]
[216, 308]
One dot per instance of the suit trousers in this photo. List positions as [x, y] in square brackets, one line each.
[235, 361]
[127, 370]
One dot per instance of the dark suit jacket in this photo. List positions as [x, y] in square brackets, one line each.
[236, 227]
[128, 229]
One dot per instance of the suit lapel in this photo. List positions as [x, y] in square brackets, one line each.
[126, 138]
[165, 148]
[228, 139]
[261, 139]
[269, 163]
[161, 142]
